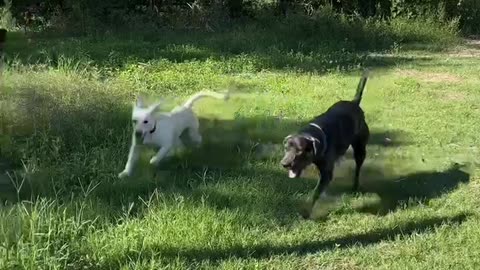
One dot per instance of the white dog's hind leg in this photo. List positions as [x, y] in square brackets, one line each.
[133, 156]
[179, 143]
[194, 134]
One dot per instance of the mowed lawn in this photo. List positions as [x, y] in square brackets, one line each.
[65, 109]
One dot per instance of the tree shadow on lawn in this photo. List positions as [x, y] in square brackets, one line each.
[229, 144]
[72, 135]
[276, 196]
[217, 173]
[55, 140]
[80, 143]
[264, 251]
[257, 50]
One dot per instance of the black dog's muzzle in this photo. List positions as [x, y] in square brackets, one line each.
[287, 160]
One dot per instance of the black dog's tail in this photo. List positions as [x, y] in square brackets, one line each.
[361, 87]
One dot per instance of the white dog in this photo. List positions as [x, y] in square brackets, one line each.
[164, 130]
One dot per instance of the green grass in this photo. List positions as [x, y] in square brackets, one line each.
[64, 123]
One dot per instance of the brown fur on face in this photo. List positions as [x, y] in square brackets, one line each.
[298, 155]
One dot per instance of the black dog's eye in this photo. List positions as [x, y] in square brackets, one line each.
[145, 122]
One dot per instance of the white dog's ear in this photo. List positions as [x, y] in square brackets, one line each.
[139, 102]
[154, 107]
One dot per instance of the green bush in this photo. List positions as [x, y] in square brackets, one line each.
[94, 17]
[7, 21]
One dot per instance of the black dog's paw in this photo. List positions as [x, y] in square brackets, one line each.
[305, 216]
[305, 213]
[358, 190]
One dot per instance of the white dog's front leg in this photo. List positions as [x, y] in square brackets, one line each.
[160, 155]
[132, 159]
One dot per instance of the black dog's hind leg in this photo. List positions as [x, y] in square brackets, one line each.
[359, 153]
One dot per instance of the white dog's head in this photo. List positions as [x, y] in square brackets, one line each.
[142, 117]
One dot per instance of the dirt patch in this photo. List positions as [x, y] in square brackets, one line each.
[470, 49]
[449, 96]
[474, 42]
[452, 96]
[465, 52]
[432, 77]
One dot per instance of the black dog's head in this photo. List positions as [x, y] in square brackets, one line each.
[299, 153]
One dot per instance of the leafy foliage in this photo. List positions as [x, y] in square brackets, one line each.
[87, 16]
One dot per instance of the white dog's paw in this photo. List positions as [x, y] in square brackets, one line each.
[154, 161]
[123, 174]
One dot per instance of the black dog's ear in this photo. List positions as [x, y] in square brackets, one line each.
[287, 139]
[301, 143]
[310, 145]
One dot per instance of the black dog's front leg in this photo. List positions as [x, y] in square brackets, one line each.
[326, 174]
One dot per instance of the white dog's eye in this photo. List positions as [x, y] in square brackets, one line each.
[134, 122]
[145, 121]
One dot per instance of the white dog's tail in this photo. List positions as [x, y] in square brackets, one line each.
[189, 103]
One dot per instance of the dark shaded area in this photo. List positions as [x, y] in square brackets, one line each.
[78, 148]
[231, 143]
[84, 140]
[229, 151]
[414, 189]
[71, 139]
[266, 251]
[3, 36]
[84, 15]
[279, 199]
[283, 46]
[55, 135]
[80, 137]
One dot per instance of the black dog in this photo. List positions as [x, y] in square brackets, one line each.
[327, 138]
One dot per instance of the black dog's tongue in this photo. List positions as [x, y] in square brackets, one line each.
[293, 174]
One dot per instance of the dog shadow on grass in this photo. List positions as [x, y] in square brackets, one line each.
[413, 189]
[263, 251]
